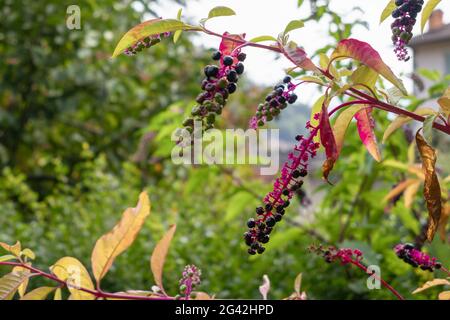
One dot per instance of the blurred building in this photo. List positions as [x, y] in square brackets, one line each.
[432, 49]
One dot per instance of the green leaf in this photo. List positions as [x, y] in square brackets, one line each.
[220, 12]
[388, 10]
[150, 28]
[365, 76]
[29, 254]
[177, 33]
[293, 25]
[299, 3]
[317, 108]
[427, 11]
[263, 38]
[236, 204]
[38, 293]
[10, 283]
[428, 127]
[7, 257]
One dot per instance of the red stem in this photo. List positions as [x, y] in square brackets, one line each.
[96, 293]
[384, 283]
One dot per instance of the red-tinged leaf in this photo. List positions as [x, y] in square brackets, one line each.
[432, 189]
[363, 52]
[342, 123]
[329, 143]
[227, 45]
[298, 56]
[365, 124]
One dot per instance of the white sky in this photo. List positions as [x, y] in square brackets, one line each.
[261, 17]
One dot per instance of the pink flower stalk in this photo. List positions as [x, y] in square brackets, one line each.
[190, 279]
[276, 201]
[408, 253]
[349, 256]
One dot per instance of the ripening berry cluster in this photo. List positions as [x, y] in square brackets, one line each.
[144, 43]
[276, 201]
[276, 101]
[332, 254]
[220, 81]
[408, 253]
[405, 17]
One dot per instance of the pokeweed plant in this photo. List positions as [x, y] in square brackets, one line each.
[357, 87]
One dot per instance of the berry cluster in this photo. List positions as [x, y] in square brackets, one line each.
[190, 279]
[276, 101]
[332, 254]
[408, 253]
[284, 188]
[220, 81]
[146, 42]
[405, 17]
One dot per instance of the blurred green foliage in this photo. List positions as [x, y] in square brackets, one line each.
[81, 135]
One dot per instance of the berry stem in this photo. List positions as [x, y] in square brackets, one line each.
[97, 293]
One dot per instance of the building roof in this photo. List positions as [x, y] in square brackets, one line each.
[433, 36]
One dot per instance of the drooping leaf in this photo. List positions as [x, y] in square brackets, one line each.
[363, 52]
[402, 120]
[341, 124]
[15, 249]
[432, 283]
[444, 102]
[76, 276]
[387, 11]
[427, 11]
[394, 95]
[10, 283]
[24, 285]
[149, 28]
[158, 257]
[316, 109]
[265, 287]
[293, 25]
[328, 142]
[298, 56]
[366, 124]
[38, 293]
[432, 189]
[263, 38]
[112, 244]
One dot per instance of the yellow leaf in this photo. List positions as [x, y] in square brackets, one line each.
[432, 189]
[410, 193]
[10, 283]
[159, 256]
[58, 294]
[443, 222]
[14, 249]
[426, 12]
[38, 293]
[402, 120]
[444, 102]
[388, 10]
[398, 189]
[28, 253]
[112, 244]
[298, 283]
[76, 276]
[341, 124]
[23, 286]
[445, 295]
[7, 257]
[432, 283]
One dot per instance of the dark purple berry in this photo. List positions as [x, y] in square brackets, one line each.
[228, 61]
